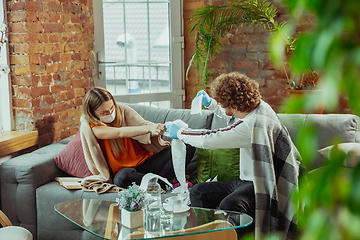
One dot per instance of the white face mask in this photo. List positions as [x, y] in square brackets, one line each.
[108, 118]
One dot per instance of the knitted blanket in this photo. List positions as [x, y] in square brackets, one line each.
[276, 172]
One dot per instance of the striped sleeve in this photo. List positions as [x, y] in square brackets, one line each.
[237, 135]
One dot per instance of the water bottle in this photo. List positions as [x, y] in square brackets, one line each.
[154, 194]
[153, 207]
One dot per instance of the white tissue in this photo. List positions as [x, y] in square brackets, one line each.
[146, 178]
[178, 152]
[196, 105]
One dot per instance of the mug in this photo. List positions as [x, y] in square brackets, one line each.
[175, 202]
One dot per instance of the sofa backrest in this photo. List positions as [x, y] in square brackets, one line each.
[160, 115]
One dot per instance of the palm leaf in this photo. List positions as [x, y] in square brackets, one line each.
[211, 23]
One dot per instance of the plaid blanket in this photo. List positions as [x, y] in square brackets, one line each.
[276, 172]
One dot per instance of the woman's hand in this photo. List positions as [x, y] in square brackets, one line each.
[156, 129]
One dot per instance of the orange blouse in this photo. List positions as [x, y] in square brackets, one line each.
[133, 156]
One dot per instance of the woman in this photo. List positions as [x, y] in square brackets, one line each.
[130, 146]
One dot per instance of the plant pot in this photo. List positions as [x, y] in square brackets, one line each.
[132, 219]
[299, 94]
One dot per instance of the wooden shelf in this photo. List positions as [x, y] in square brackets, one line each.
[13, 141]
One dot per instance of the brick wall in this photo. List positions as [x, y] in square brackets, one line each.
[52, 64]
[245, 51]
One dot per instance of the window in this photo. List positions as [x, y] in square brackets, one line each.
[139, 50]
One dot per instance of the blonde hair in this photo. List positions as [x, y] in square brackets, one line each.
[93, 99]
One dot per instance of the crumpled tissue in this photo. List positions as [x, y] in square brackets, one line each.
[196, 105]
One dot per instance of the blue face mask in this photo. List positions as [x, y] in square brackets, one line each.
[108, 118]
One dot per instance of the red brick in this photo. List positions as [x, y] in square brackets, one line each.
[34, 58]
[245, 64]
[253, 73]
[88, 73]
[33, 6]
[21, 80]
[62, 106]
[54, 48]
[70, 94]
[23, 103]
[38, 69]
[54, 17]
[34, 27]
[44, 17]
[22, 70]
[19, 59]
[35, 102]
[73, 27]
[49, 99]
[60, 87]
[52, 7]
[36, 48]
[17, 6]
[16, 17]
[79, 92]
[70, 8]
[54, 38]
[75, 18]
[76, 56]
[23, 92]
[61, 97]
[31, 17]
[53, 27]
[57, 77]
[52, 68]
[18, 38]
[19, 27]
[34, 38]
[65, 17]
[40, 91]
[56, 57]
[78, 102]
[46, 79]
[65, 134]
[65, 57]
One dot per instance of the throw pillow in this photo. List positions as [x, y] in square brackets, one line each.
[351, 150]
[223, 163]
[72, 160]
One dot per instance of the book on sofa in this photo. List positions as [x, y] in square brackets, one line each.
[69, 182]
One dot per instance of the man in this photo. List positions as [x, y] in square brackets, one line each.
[268, 159]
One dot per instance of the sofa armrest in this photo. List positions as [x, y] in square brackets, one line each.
[20, 176]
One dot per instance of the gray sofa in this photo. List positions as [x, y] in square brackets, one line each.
[29, 192]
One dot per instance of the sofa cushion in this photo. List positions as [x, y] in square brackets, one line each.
[72, 160]
[223, 163]
[159, 115]
[351, 151]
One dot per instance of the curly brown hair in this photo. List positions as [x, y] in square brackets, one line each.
[235, 90]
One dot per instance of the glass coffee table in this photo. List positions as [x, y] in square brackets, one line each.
[102, 219]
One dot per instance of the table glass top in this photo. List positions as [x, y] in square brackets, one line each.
[103, 219]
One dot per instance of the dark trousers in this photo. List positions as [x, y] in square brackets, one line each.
[160, 164]
[235, 195]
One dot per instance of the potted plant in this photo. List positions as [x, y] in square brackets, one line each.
[211, 23]
[131, 202]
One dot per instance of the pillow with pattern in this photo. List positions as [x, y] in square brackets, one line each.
[72, 159]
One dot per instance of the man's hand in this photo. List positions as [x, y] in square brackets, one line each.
[172, 130]
[206, 99]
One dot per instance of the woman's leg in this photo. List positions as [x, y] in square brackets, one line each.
[126, 176]
[161, 163]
